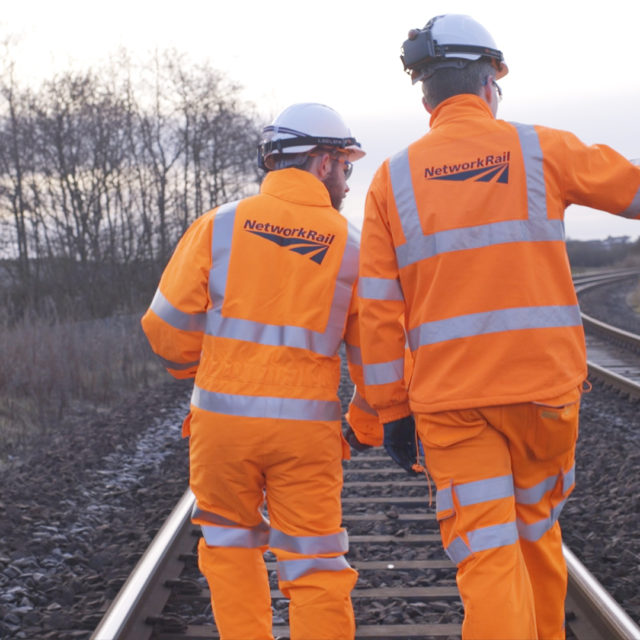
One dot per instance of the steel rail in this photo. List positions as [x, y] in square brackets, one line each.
[121, 620]
[619, 335]
[610, 332]
[611, 619]
[615, 380]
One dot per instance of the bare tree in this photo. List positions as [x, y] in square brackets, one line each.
[100, 173]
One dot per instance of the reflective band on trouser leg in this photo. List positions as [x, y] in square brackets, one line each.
[319, 588]
[475, 492]
[222, 532]
[292, 569]
[470, 463]
[541, 544]
[232, 537]
[335, 543]
[533, 495]
[498, 535]
[240, 592]
[231, 559]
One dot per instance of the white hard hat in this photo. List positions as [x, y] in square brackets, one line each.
[449, 40]
[302, 127]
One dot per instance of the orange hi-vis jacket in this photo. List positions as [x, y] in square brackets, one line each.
[256, 301]
[464, 234]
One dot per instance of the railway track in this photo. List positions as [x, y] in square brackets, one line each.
[613, 354]
[394, 544]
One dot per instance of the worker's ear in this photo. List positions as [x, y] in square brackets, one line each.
[324, 165]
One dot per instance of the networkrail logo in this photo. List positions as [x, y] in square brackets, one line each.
[306, 242]
[489, 168]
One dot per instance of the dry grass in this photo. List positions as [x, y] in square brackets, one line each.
[46, 368]
[633, 299]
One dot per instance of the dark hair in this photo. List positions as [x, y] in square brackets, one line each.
[302, 160]
[450, 81]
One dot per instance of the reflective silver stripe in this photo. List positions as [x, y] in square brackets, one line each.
[532, 157]
[216, 519]
[380, 289]
[484, 490]
[362, 404]
[325, 343]
[475, 492]
[174, 317]
[537, 228]
[444, 499]
[354, 354]
[534, 494]
[273, 335]
[178, 366]
[499, 535]
[404, 195]
[633, 210]
[568, 480]
[422, 247]
[457, 550]
[384, 372]
[475, 324]
[221, 236]
[310, 545]
[347, 276]
[234, 537]
[535, 531]
[293, 569]
[265, 406]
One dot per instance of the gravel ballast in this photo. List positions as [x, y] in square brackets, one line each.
[79, 507]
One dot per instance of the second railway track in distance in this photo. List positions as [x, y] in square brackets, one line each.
[613, 354]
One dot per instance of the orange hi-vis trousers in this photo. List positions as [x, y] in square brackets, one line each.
[238, 463]
[503, 475]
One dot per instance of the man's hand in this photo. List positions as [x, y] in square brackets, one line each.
[353, 441]
[400, 442]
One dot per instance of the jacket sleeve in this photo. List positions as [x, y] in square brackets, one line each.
[593, 176]
[381, 308]
[174, 323]
[362, 418]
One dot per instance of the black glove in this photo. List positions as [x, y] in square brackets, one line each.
[353, 441]
[400, 442]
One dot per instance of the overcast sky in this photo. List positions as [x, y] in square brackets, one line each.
[573, 65]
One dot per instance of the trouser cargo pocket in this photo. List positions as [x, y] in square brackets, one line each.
[552, 427]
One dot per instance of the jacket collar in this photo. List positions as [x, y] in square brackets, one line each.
[460, 107]
[296, 185]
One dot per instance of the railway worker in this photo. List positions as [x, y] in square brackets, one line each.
[255, 303]
[463, 234]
